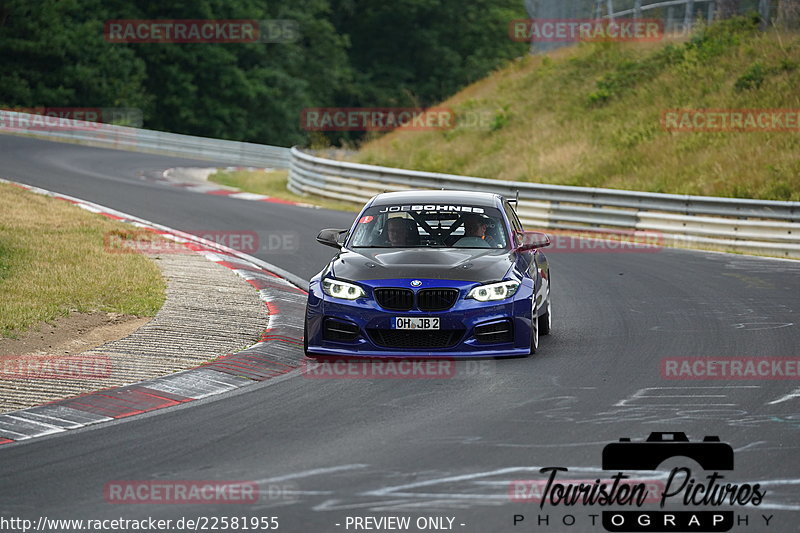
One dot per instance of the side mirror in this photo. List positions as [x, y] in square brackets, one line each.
[530, 240]
[332, 237]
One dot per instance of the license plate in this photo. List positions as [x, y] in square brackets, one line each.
[402, 322]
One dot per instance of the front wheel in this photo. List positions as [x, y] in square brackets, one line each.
[305, 337]
[546, 321]
[305, 341]
[534, 336]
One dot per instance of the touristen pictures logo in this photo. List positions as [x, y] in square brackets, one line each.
[679, 500]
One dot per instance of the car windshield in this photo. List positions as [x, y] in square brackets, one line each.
[430, 226]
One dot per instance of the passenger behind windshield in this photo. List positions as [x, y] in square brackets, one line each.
[475, 233]
[380, 227]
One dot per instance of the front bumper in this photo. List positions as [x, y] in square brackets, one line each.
[362, 328]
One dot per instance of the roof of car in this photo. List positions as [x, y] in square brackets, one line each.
[487, 199]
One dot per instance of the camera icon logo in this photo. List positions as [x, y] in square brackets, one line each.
[711, 454]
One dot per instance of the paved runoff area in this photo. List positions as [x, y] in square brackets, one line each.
[226, 333]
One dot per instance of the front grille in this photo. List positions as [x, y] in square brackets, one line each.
[415, 339]
[337, 330]
[436, 299]
[395, 299]
[495, 332]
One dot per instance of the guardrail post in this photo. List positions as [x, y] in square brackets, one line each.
[670, 18]
[530, 7]
[610, 8]
[763, 10]
[712, 8]
[688, 17]
[637, 9]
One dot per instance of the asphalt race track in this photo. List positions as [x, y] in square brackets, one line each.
[327, 451]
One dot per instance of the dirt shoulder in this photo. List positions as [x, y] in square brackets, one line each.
[73, 334]
[209, 312]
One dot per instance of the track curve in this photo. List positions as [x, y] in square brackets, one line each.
[446, 447]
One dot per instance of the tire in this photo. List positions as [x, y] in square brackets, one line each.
[305, 338]
[305, 341]
[546, 321]
[534, 336]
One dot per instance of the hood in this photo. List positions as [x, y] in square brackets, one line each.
[477, 265]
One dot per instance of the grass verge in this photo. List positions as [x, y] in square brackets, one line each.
[590, 115]
[273, 183]
[53, 262]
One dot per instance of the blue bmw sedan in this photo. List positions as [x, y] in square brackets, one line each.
[431, 274]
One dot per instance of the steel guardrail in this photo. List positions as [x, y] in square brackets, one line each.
[750, 226]
[142, 140]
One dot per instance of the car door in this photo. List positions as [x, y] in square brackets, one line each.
[533, 263]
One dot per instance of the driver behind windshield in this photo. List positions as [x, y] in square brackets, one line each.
[401, 232]
[475, 233]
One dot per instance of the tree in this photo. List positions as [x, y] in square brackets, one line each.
[419, 52]
[56, 56]
[244, 91]
[350, 53]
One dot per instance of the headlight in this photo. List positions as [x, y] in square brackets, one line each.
[494, 291]
[342, 289]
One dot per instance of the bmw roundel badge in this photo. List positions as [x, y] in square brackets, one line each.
[416, 283]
